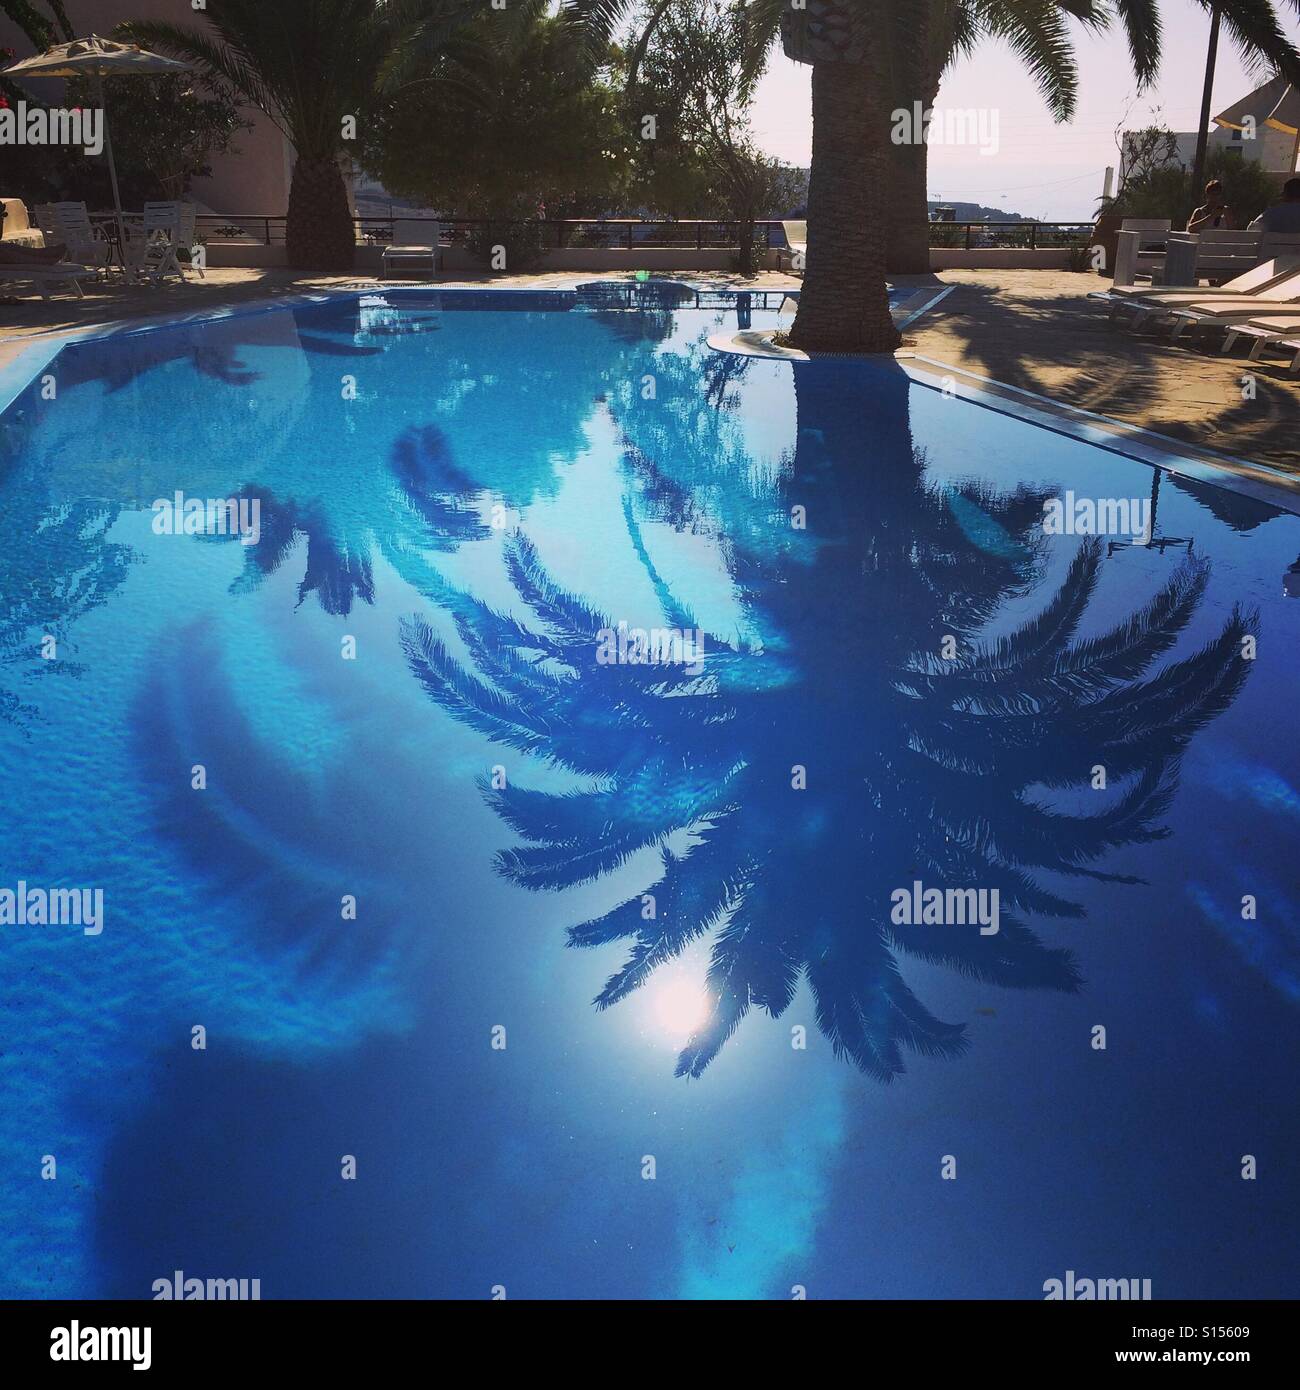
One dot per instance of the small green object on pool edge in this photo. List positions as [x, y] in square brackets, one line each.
[643, 275]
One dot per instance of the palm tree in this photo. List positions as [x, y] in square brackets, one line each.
[917, 768]
[1037, 30]
[309, 65]
[868, 59]
[431, 507]
[867, 56]
[911, 41]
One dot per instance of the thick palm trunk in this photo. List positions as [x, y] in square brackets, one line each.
[844, 306]
[909, 210]
[746, 261]
[920, 47]
[319, 234]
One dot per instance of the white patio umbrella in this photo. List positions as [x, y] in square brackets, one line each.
[97, 59]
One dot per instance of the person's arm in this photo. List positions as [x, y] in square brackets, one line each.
[1200, 218]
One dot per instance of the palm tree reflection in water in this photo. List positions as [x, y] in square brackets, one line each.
[952, 772]
[435, 510]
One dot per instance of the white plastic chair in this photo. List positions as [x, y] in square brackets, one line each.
[1280, 332]
[154, 239]
[46, 221]
[43, 276]
[187, 238]
[1215, 251]
[1278, 296]
[86, 246]
[1141, 248]
[796, 237]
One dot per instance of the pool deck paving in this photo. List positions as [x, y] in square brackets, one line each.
[1032, 330]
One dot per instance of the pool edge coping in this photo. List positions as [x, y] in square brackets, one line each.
[47, 343]
[1259, 481]
[1174, 456]
[38, 349]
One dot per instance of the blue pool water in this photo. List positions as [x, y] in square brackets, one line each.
[471, 488]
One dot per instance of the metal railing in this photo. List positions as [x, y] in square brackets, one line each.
[1031, 236]
[628, 233]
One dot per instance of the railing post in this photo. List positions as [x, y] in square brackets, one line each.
[267, 222]
[968, 236]
[1033, 236]
[629, 236]
[699, 236]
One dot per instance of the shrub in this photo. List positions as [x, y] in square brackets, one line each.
[519, 239]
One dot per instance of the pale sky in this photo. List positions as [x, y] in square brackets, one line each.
[1041, 169]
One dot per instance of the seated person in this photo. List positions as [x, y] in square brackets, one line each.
[1214, 212]
[1283, 216]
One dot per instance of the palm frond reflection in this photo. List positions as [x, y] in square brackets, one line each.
[803, 775]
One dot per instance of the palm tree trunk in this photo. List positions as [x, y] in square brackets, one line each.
[843, 306]
[920, 48]
[745, 262]
[319, 234]
[909, 210]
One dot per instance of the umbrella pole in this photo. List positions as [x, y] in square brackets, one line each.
[112, 174]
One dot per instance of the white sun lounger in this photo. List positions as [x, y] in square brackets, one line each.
[1227, 309]
[1139, 298]
[1268, 331]
[43, 276]
[413, 240]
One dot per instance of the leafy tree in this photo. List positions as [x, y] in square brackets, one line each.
[30, 171]
[166, 129]
[1163, 187]
[695, 76]
[43, 23]
[508, 121]
[316, 68]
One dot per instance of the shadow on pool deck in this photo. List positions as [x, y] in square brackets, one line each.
[1038, 331]
[1032, 329]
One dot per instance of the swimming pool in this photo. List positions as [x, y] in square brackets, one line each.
[380, 801]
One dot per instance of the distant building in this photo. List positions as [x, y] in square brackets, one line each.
[1274, 149]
